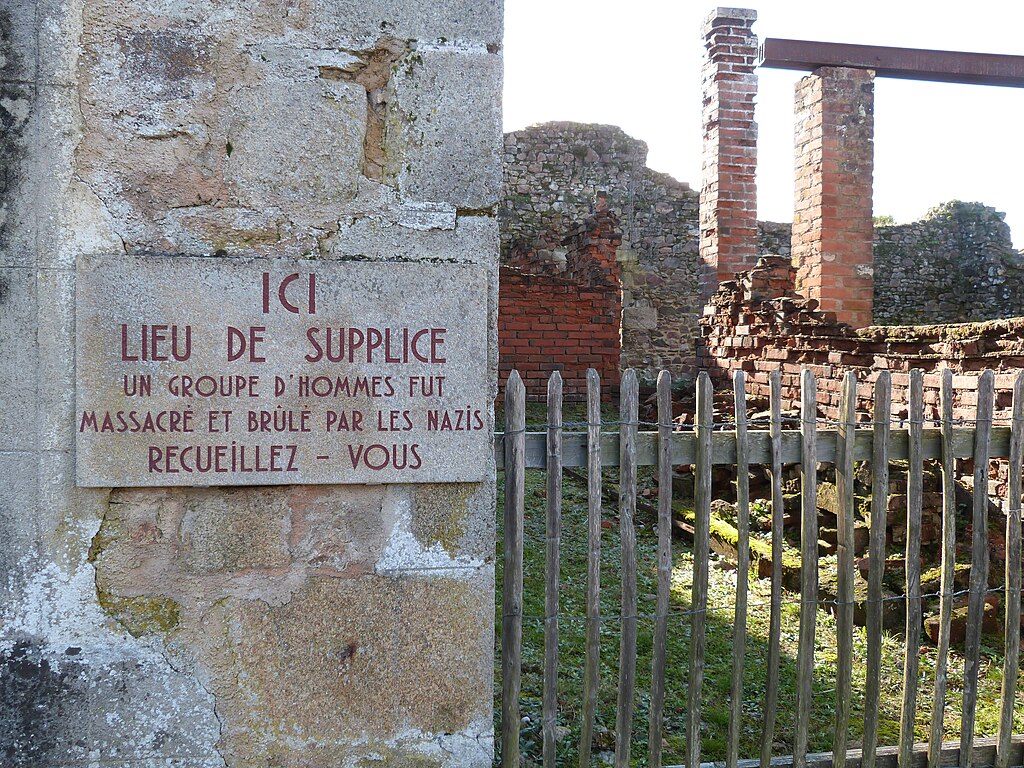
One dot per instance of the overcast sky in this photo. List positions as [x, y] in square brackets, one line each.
[636, 64]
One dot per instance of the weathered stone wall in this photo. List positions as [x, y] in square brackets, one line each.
[553, 173]
[281, 626]
[774, 238]
[955, 265]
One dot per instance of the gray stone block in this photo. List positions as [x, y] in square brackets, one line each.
[446, 131]
[640, 318]
[37, 39]
[18, 225]
[268, 122]
[469, 239]
[56, 353]
[449, 21]
[457, 518]
[72, 705]
[19, 525]
[20, 359]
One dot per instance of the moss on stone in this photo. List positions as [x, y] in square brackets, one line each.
[138, 615]
[105, 536]
[440, 517]
[399, 757]
[141, 615]
[727, 533]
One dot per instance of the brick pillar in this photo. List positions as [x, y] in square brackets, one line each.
[728, 195]
[832, 227]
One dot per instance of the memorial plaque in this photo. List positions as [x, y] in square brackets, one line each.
[216, 371]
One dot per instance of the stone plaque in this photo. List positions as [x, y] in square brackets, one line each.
[216, 371]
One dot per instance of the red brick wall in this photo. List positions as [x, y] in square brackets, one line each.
[832, 227]
[728, 196]
[565, 320]
[757, 324]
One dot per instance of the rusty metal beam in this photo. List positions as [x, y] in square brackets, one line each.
[904, 63]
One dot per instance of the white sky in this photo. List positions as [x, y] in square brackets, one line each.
[636, 64]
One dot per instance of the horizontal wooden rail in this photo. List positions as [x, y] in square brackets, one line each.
[723, 447]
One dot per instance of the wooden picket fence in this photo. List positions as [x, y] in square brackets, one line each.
[841, 443]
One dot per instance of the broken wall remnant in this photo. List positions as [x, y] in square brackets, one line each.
[554, 172]
[556, 315]
[832, 222]
[955, 265]
[281, 626]
[728, 193]
[758, 323]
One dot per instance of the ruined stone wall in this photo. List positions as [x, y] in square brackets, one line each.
[774, 238]
[563, 316]
[277, 626]
[955, 265]
[553, 173]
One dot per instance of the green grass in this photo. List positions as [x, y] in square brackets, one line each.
[719, 623]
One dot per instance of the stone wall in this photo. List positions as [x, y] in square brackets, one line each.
[280, 626]
[553, 173]
[955, 265]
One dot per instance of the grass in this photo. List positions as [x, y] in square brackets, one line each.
[719, 623]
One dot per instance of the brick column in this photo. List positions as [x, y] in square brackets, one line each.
[832, 227]
[728, 195]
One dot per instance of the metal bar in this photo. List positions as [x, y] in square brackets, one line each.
[553, 504]
[904, 63]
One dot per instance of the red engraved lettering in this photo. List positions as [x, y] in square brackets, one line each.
[281, 293]
[124, 346]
